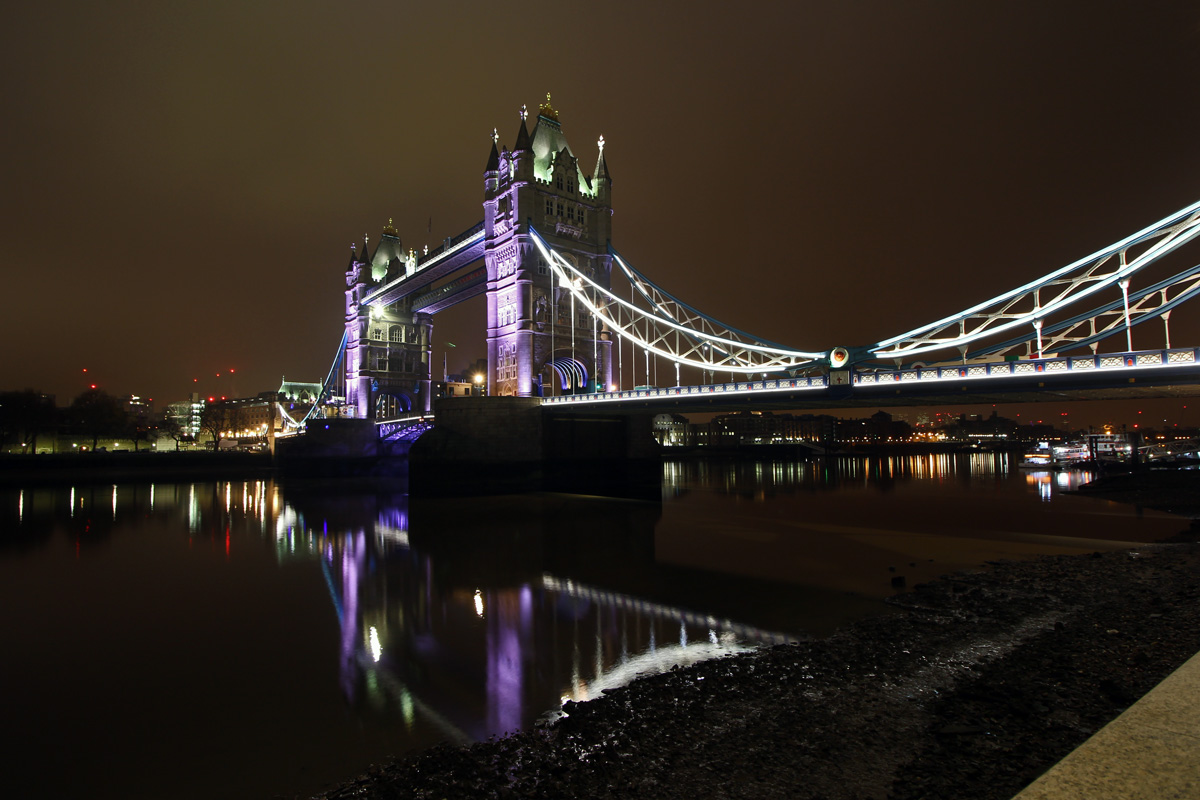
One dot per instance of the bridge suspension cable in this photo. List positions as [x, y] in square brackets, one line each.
[670, 328]
[1030, 307]
[328, 387]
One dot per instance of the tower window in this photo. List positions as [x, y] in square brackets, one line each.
[570, 186]
[560, 209]
[549, 207]
[558, 181]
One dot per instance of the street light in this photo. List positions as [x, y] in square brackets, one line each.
[479, 382]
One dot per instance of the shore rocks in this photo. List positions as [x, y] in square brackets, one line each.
[973, 686]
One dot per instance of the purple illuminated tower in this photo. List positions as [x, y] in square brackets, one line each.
[538, 340]
[387, 344]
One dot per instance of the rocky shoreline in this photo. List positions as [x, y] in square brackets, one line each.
[974, 686]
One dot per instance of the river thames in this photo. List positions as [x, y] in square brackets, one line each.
[253, 639]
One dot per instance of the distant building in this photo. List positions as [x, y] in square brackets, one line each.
[298, 392]
[244, 422]
[458, 386]
[877, 428]
[763, 427]
[672, 430]
[186, 415]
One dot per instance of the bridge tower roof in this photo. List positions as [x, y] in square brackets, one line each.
[547, 140]
[388, 250]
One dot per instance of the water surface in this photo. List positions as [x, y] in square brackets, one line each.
[258, 639]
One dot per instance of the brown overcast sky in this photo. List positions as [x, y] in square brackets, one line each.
[182, 181]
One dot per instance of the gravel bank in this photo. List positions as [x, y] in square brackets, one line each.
[976, 685]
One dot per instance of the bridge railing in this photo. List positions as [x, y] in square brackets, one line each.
[1109, 364]
[1050, 365]
[449, 244]
[734, 387]
[404, 429]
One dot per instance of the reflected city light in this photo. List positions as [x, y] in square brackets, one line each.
[376, 648]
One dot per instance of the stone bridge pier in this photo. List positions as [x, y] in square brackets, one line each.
[513, 443]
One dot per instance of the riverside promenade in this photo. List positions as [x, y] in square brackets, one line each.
[1150, 752]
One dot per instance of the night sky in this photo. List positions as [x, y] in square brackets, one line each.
[182, 182]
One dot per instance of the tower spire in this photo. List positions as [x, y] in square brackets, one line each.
[493, 164]
[523, 133]
[601, 164]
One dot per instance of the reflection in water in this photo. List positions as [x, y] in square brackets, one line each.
[483, 646]
[347, 623]
[763, 478]
[1049, 482]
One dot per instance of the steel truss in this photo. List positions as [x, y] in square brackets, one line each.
[1089, 328]
[670, 328]
[1030, 306]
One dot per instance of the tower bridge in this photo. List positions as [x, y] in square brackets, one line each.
[559, 334]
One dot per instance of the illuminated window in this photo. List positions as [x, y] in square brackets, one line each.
[377, 333]
[396, 334]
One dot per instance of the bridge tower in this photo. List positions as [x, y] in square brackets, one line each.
[539, 340]
[387, 345]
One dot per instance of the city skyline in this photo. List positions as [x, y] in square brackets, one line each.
[186, 183]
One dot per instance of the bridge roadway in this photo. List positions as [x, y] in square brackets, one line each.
[1151, 374]
[455, 254]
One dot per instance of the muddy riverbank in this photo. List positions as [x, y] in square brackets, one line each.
[974, 686]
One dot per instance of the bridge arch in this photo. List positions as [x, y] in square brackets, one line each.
[390, 404]
[570, 375]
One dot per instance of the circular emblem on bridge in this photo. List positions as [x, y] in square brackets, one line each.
[838, 357]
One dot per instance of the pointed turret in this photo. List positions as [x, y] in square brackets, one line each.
[601, 165]
[523, 142]
[493, 164]
[353, 257]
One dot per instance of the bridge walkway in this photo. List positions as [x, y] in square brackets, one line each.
[1150, 752]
